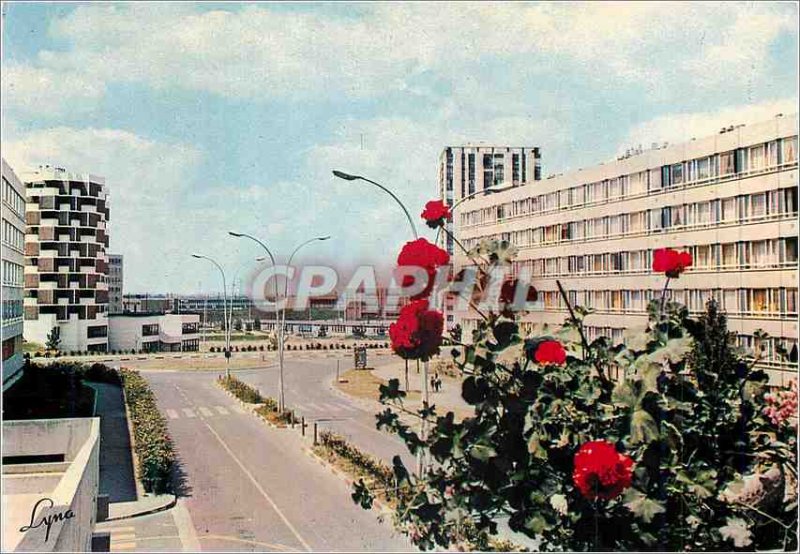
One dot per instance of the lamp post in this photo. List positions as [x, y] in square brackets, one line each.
[278, 332]
[425, 392]
[224, 313]
[349, 177]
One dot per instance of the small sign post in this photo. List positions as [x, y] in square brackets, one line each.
[360, 355]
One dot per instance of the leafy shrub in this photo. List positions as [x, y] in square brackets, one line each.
[240, 390]
[152, 443]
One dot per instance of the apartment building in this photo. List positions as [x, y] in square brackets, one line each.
[13, 263]
[115, 284]
[66, 265]
[730, 199]
[465, 170]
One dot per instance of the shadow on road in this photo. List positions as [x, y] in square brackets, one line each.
[116, 464]
[180, 480]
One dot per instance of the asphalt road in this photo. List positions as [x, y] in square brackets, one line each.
[251, 487]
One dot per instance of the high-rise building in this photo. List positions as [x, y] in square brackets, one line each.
[66, 265]
[730, 199]
[115, 284]
[13, 262]
[466, 170]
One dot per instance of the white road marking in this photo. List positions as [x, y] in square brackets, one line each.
[239, 408]
[206, 412]
[313, 407]
[172, 414]
[222, 410]
[259, 488]
[188, 412]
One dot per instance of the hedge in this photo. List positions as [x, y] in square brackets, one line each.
[241, 390]
[152, 443]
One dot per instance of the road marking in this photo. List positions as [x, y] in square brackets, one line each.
[239, 408]
[188, 412]
[205, 411]
[117, 529]
[260, 488]
[222, 410]
[280, 547]
[172, 414]
[124, 537]
[313, 407]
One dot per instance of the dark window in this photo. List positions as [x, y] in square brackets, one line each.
[97, 331]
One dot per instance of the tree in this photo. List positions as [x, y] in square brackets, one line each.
[53, 338]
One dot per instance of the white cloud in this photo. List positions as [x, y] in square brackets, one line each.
[45, 91]
[681, 127]
[261, 52]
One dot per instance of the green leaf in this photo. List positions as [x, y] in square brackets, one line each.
[482, 452]
[642, 507]
[736, 530]
[535, 447]
[674, 351]
[644, 429]
[559, 504]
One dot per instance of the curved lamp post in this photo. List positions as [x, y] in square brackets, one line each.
[348, 177]
[224, 313]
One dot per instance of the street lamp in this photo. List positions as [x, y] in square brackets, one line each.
[487, 190]
[283, 312]
[224, 313]
[348, 177]
[279, 332]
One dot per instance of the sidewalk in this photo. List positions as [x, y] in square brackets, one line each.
[447, 399]
[116, 464]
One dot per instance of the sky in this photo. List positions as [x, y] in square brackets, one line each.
[210, 117]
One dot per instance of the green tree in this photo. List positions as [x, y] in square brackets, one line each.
[53, 339]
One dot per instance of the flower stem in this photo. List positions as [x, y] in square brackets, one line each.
[579, 325]
[664, 296]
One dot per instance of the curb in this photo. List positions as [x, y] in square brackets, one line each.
[170, 502]
[344, 477]
[134, 458]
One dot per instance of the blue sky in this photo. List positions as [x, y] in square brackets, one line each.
[209, 117]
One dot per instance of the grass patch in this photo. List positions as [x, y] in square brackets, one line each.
[362, 383]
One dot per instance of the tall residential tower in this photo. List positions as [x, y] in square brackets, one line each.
[66, 288]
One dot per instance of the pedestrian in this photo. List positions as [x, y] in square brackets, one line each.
[438, 384]
[433, 383]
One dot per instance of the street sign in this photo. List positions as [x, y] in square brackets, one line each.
[360, 357]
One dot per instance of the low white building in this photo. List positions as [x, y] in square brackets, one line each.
[154, 332]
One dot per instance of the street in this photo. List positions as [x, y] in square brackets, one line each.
[248, 486]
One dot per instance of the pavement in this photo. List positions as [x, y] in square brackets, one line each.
[247, 486]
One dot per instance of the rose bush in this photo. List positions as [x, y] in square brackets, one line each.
[684, 449]
[422, 254]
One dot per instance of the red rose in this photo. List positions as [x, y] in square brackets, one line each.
[435, 213]
[601, 471]
[421, 253]
[550, 352]
[417, 333]
[671, 262]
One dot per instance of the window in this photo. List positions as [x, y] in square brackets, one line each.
[677, 174]
[758, 205]
[726, 165]
[757, 158]
[150, 330]
[729, 209]
[789, 150]
[471, 173]
[515, 168]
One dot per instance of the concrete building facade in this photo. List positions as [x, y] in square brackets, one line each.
[154, 332]
[57, 459]
[730, 199]
[66, 265]
[115, 283]
[13, 267]
[465, 170]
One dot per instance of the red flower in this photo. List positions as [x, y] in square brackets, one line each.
[550, 352]
[435, 213]
[601, 471]
[421, 253]
[671, 262]
[417, 333]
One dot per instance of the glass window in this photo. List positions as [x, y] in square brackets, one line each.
[676, 174]
[726, 166]
[758, 205]
[789, 150]
[703, 166]
[757, 159]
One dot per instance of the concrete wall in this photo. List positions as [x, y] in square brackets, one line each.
[79, 440]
